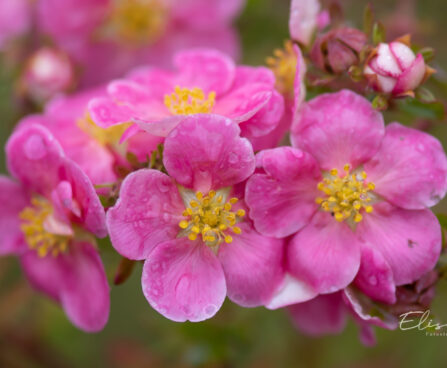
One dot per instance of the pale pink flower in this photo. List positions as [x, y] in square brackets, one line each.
[354, 195]
[304, 19]
[190, 225]
[204, 81]
[49, 216]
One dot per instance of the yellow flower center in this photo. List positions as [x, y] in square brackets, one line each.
[137, 21]
[283, 65]
[186, 101]
[210, 217]
[105, 136]
[347, 195]
[33, 227]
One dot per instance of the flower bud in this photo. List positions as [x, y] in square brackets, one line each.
[338, 50]
[47, 72]
[394, 68]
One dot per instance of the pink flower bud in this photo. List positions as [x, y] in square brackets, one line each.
[338, 49]
[394, 68]
[47, 72]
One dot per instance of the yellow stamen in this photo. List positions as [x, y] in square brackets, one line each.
[347, 194]
[33, 220]
[186, 101]
[136, 22]
[283, 65]
[105, 136]
[210, 217]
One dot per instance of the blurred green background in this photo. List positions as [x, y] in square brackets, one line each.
[35, 333]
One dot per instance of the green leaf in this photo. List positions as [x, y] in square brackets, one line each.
[425, 95]
[379, 33]
[368, 19]
[428, 53]
[428, 110]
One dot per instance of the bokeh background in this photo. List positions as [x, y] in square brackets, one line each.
[35, 333]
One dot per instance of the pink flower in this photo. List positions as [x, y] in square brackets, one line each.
[394, 68]
[190, 225]
[108, 37]
[47, 72]
[205, 81]
[354, 195]
[49, 218]
[67, 118]
[15, 19]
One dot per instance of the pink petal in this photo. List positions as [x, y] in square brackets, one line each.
[253, 267]
[248, 74]
[375, 277]
[403, 55]
[106, 113]
[303, 19]
[291, 291]
[410, 169]
[323, 315]
[77, 280]
[13, 199]
[282, 200]
[265, 120]
[184, 280]
[411, 77]
[325, 254]
[243, 103]
[338, 128]
[36, 159]
[385, 63]
[409, 241]
[205, 151]
[299, 86]
[208, 69]
[147, 213]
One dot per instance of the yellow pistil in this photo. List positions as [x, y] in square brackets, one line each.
[347, 195]
[212, 218]
[33, 220]
[137, 22]
[186, 101]
[105, 136]
[283, 65]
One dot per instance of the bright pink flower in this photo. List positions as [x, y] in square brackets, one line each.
[49, 218]
[109, 37]
[395, 69]
[355, 197]
[47, 72]
[205, 81]
[15, 19]
[66, 117]
[190, 225]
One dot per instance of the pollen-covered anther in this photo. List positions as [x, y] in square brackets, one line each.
[33, 227]
[184, 101]
[211, 218]
[283, 64]
[347, 196]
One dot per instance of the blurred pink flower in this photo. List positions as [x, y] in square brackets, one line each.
[304, 20]
[394, 68]
[47, 72]
[49, 218]
[205, 81]
[190, 225]
[108, 37]
[355, 197]
[15, 19]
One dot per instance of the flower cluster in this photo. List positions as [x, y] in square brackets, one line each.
[184, 167]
